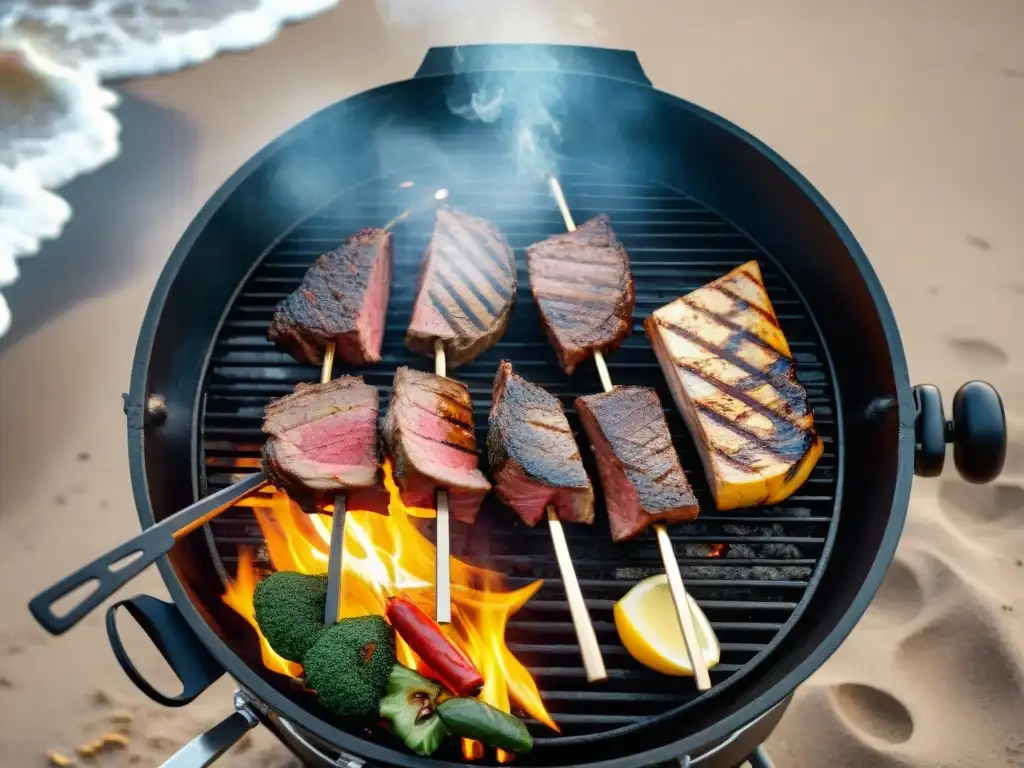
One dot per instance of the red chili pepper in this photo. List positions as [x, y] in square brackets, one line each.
[452, 667]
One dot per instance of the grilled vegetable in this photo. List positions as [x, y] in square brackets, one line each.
[289, 608]
[453, 667]
[472, 719]
[349, 665]
[410, 705]
[733, 377]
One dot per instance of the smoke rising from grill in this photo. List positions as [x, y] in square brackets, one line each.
[525, 105]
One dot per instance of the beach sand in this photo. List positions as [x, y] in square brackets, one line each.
[907, 116]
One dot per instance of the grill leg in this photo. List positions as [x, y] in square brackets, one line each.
[760, 759]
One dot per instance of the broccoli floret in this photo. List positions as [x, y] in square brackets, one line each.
[289, 608]
[349, 665]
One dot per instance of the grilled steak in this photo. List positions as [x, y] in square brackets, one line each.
[321, 441]
[734, 379]
[534, 457]
[343, 298]
[640, 472]
[467, 287]
[582, 285]
[429, 435]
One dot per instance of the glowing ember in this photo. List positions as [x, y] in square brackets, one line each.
[717, 550]
[385, 555]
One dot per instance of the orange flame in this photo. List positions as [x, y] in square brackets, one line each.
[385, 555]
[717, 550]
[239, 596]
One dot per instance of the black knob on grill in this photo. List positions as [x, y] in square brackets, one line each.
[930, 430]
[977, 432]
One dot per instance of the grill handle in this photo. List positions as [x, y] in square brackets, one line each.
[109, 572]
[195, 668]
[977, 432]
[525, 57]
[205, 748]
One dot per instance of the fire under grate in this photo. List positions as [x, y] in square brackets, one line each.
[751, 570]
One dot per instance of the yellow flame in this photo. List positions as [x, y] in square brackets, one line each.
[385, 555]
[238, 595]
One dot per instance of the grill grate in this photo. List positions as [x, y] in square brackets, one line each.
[676, 245]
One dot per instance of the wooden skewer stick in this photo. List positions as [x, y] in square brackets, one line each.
[590, 649]
[332, 609]
[668, 555]
[442, 531]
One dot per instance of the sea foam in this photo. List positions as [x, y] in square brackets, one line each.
[56, 118]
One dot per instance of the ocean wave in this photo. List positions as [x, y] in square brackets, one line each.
[56, 118]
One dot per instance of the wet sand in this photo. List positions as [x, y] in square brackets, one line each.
[909, 117]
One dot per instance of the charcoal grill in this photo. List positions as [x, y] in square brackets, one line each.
[691, 196]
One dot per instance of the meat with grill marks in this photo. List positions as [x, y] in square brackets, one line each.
[640, 473]
[583, 287]
[533, 455]
[429, 435]
[343, 299]
[734, 379]
[321, 441]
[467, 287]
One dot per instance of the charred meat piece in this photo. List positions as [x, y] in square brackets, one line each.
[533, 455]
[343, 299]
[321, 441]
[582, 285]
[640, 472]
[429, 435]
[467, 287]
[734, 379]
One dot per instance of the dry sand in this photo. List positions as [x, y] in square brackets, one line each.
[908, 116]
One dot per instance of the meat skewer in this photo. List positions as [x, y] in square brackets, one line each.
[467, 288]
[538, 472]
[442, 530]
[335, 555]
[668, 556]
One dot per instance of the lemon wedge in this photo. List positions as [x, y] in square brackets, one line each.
[648, 627]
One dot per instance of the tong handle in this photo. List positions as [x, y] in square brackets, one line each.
[113, 570]
[108, 573]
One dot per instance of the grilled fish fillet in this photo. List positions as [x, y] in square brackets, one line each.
[734, 379]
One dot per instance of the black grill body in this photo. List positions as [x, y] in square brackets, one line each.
[691, 196]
